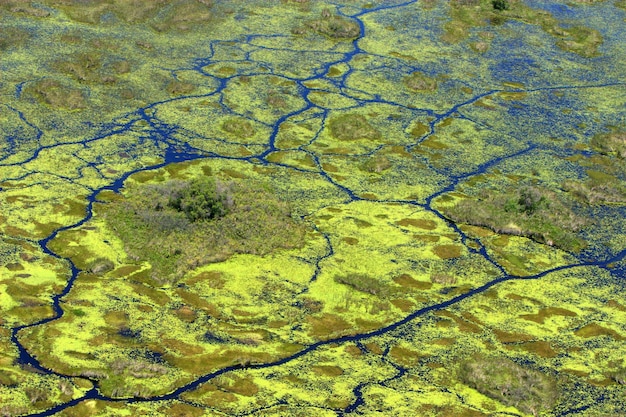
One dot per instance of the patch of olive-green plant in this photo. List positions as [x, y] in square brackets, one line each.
[12, 37]
[263, 98]
[57, 95]
[571, 336]
[612, 143]
[469, 14]
[420, 82]
[325, 379]
[403, 246]
[330, 25]
[177, 226]
[528, 390]
[352, 126]
[581, 40]
[455, 139]
[102, 408]
[523, 210]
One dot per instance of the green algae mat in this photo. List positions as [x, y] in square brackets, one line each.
[312, 208]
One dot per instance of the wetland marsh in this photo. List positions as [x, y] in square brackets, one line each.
[311, 208]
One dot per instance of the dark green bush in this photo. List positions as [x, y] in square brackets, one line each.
[201, 200]
[530, 200]
[500, 4]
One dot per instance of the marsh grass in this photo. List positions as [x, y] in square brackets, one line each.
[619, 376]
[365, 283]
[352, 127]
[596, 191]
[376, 164]
[420, 82]
[468, 14]
[528, 390]
[12, 37]
[100, 266]
[161, 15]
[57, 95]
[155, 230]
[239, 127]
[332, 26]
[613, 143]
[531, 212]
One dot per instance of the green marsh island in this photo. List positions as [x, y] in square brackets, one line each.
[312, 208]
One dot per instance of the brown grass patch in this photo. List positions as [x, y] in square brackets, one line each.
[408, 281]
[506, 337]
[327, 325]
[548, 312]
[328, 370]
[594, 329]
[419, 223]
[405, 356]
[448, 251]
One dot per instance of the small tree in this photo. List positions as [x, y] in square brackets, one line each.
[500, 4]
[201, 200]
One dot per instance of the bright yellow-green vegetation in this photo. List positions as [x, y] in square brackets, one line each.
[312, 208]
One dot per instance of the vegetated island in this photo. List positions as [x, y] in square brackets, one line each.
[179, 225]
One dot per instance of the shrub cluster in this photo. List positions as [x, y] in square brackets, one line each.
[526, 389]
[177, 226]
[202, 199]
[532, 212]
[500, 4]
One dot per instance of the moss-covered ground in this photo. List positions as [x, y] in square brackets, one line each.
[414, 208]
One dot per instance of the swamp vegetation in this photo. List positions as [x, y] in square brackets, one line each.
[312, 208]
[178, 226]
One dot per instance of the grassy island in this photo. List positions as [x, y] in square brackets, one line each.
[180, 225]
